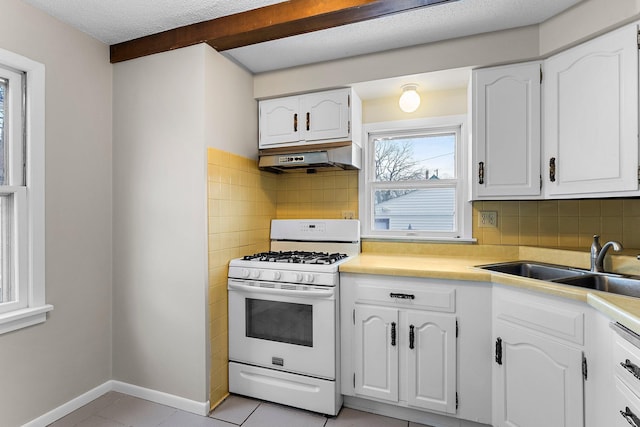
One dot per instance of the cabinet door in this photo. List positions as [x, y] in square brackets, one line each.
[506, 131]
[539, 382]
[280, 121]
[325, 115]
[376, 352]
[591, 117]
[431, 363]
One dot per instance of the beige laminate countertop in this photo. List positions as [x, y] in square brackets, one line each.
[625, 310]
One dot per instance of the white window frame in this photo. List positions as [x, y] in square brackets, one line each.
[368, 184]
[27, 199]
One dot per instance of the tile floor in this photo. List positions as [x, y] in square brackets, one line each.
[118, 410]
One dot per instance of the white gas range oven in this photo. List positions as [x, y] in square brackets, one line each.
[283, 315]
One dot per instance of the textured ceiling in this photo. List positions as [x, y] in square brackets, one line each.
[115, 21]
[450, 20]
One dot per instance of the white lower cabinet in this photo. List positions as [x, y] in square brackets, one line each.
[538, 382]
[538, 371]
[420, 345]
[376, 352]
[428, 368]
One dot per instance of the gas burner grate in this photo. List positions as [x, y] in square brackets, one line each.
[296, 257]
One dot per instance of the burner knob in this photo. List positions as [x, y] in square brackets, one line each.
[298, 277]
[245, 273]
[276, 275]
[308, 278]
[255, 274]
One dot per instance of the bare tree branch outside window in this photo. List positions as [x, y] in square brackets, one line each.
[394, 161]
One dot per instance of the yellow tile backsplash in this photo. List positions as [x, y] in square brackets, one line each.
[322, 195]
[241, 204]
[560, 223]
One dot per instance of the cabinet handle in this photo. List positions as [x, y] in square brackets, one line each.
[499, 351]
[631, 418]
[552, 169]
[295, 122]
[402, 296]
[308, 120]
[481, 173]
[412, 336]
[393, 333]
[634, 369]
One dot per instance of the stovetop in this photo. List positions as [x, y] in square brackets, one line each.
[297, 257]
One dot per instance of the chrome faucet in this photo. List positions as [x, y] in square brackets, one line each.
[599, 252]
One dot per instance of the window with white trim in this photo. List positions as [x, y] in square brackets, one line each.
[413, 183]
[22, 298]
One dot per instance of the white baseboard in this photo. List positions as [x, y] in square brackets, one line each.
[70, 406]
[188, 405]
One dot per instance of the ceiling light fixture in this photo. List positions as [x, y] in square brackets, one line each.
[410, 99]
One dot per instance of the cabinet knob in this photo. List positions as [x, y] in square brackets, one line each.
[308, 120]
[295, 122]
[481, 173]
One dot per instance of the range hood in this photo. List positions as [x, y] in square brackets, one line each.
[299, 159]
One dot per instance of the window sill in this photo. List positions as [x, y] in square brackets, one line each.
[19, 319]
[376, 238]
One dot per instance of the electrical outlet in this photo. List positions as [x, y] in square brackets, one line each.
[487, 219]
[347, 215]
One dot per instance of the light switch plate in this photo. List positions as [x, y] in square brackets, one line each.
[487, 219]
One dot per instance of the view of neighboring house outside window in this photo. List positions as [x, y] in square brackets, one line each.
[22, 297]
[414, 180]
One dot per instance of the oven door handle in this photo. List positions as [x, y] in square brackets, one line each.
[329, 292]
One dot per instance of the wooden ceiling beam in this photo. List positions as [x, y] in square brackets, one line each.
[273, 22]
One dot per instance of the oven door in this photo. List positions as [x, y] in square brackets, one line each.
[291, 329]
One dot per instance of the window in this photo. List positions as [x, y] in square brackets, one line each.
[22, 301]
[413, 183]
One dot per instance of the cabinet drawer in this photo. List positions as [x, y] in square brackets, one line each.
[398, 293]
[626, 407]
[544, 315]
[626, 357]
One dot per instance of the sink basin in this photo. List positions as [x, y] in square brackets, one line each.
[629, 286]
[606, 282]
[534, 270]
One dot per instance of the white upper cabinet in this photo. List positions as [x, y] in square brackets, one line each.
[591, 118]
[309, 118]
[506, 132]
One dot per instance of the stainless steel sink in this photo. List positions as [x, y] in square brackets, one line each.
[629, 286]
[606, 282]
[534, 270]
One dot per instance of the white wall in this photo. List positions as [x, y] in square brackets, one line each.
[583, 21]
[160, 249]
[231, 118]
[484, 49]
[168, 108]
[46, 365]
[433, 104]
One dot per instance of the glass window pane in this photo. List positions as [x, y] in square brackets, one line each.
[421, 210]
[419, 157]
[280, 321]
[3, 91]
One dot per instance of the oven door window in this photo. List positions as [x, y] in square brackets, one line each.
[280, 321]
